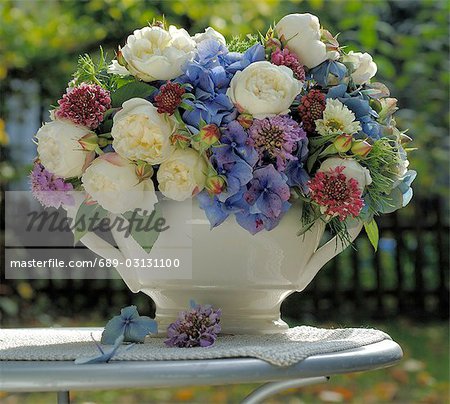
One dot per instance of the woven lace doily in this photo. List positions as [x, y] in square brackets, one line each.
[285, 349]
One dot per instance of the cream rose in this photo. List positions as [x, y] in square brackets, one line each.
[152, 53]
[352, 169]
[140, 133]
[263, 89]
[59, 150]
[302, 33]
[210, 33]
[112, 181]
[364, 68]
[182, 175]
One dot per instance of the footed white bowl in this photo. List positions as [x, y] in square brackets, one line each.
[247, 276]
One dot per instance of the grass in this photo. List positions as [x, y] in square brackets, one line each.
[421, 377]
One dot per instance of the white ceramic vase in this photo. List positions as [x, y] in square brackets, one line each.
[247, 276]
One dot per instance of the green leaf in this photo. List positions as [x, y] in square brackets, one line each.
[145, 229]
[135, 89]
[83, 219]
[330, 149]
[312, 159]
[372, 232]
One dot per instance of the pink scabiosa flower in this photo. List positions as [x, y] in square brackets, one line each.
[49, 189]
[84, 105]
[198, 326]
[335, 193]
[275, 138]
[286, 58]
[169, 98]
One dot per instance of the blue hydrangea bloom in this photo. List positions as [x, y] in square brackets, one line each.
[296, 169]
[235, 145]
[237, 174]
[321, 73]
[210, 74]
[130, 324]
[267, 191]
[105, 355]
[255, 222]
[217, 211]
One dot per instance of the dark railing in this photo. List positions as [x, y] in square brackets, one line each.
[408, 276]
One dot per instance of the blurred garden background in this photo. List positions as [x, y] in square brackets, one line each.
[402, 289]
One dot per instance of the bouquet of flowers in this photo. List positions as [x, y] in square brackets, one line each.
[247, 127]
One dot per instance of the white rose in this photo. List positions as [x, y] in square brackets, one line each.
[302, 33]
[140, 133]
[182, 175]
[210, 33]
[364, 68]
[59, 150]
[352, 169]
[112, 181]
[152, 53]
[263, 89]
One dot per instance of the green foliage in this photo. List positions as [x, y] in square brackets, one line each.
[238, 44]
[135, 89]
[92, 72]
[85, 214]
[372, 233]
[150, 223]
[383, 163]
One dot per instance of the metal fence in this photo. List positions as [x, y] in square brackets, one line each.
[408, 276]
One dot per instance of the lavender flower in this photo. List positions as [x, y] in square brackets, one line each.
[49, 189]
[197, 327]
[275, 138]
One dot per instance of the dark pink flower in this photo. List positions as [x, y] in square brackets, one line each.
[337, 194]
[169, 97]
[84, 105]
[286, 58]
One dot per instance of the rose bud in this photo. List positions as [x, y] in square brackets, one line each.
[89, 142]
[361, 148]
[272, 44]
[215, 184]
[343, 143]
[143, 170]
[246, 120]
[209, 134]
[120, 59]
[180, 140]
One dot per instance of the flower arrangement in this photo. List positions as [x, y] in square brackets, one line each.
[248, 128]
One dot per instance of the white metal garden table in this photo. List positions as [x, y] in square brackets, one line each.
[63, 376]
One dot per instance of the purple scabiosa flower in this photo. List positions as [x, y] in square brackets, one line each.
[267, 191]
[235, 145]
[198, 326]
[275, 139]
[296, 169]
[49, 189]
[84, 105]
